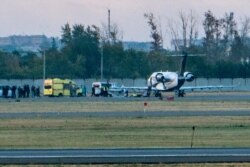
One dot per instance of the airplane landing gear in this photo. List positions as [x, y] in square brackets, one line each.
[180, 93]
[148, 91]
[158, 94]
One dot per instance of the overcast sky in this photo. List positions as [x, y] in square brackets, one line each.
[29, 17]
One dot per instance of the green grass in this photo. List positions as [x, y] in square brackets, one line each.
[121, 132]
[126, 132]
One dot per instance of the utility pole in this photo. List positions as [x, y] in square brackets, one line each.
[109, 24]
[44, 67]
[101, 62]
[102, 44]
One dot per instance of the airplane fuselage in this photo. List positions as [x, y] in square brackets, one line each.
[165, 81]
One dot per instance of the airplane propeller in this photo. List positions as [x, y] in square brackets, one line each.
[160, 78]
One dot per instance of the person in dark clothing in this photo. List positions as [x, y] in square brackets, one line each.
[84, 91]
[105, 91]
[93, 91]
[13, 89]
[24, 91]
[33, 91]
[19, 90]
[7, 88]
[71, 91]
[102, 90]
[28, 91]
[38, 91]
[5, 91]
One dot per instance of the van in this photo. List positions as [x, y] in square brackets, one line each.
[61, 87]
[101, 89]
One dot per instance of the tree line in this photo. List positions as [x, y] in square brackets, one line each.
[223, 52]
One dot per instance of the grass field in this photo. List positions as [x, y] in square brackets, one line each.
[125, 132]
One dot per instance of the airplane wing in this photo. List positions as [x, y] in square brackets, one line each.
[184, 88]
[137, 91]
[192, 88]
[117, 89]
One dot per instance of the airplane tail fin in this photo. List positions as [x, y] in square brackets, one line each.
[183, 64]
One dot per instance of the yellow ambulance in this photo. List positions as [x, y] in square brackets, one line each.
[61, 87]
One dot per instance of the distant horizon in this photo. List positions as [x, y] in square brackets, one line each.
[26, 43]
[17, 35]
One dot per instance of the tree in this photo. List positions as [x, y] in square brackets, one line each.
[112, 50]
[212, 28]
[113, 59]
[240, 47]
[245, 28]
[157, 43]
[82, 49]
[111, 34]
[135, 64]
[184, 31]
[66, 34]
[53, 45]
[230, 31]
[193, 27]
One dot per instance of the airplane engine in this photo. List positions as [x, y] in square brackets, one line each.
[189, 77]
[159, 77]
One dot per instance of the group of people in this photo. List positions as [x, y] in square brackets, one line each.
[7, 91]
[20, 92]
[26, 91]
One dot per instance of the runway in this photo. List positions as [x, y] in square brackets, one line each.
[120, 114]
[124, 156]
[191, 96]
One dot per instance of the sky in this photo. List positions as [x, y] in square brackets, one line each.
[33, 17]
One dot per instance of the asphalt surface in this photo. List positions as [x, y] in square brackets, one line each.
[122, 156]
[132, 114]
[191, 96]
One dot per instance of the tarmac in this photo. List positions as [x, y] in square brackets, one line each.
[190, 96]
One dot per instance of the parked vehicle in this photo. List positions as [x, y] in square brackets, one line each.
[61, 87]
[101, 89]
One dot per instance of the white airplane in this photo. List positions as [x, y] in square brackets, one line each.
[171, 81]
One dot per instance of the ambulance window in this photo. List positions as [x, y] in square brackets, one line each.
[47, 86]
[96, 85]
